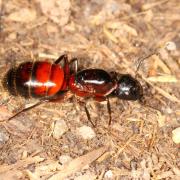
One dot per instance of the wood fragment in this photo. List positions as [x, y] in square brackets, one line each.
[21, 163]
[78, 163]
[163, 79]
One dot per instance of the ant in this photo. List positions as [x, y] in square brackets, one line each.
[52, 82]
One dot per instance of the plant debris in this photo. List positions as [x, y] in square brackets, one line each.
[55, 140]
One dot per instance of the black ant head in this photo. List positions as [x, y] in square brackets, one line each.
[128, 88]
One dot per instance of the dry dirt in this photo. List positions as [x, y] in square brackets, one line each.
[55, 140]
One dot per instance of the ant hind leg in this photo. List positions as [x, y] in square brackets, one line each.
[74, 62]
[28, 108]
[62, 57]
[58, 98]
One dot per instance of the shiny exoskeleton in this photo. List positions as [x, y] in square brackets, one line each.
[95, 83]
[39, 79]
[100, 84]
[52, 82]
[128, 88]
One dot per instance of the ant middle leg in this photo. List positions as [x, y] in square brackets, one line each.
[88, 116]
[82, 103]
[109, 112]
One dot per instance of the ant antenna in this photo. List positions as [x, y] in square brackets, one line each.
[140, 60]
[143, 102]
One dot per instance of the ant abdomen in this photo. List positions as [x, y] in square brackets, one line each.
[34, 79]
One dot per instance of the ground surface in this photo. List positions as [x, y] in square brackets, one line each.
[55, 141]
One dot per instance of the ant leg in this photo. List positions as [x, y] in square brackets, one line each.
[66, 77]
[67, 71]
[74, 61]
[65, 68]
[28, 108]
[59, 97]
[66, 64]
[140, 60]
[88, 116]
[86, 110]
[109, 111]
[108, 106]
[62, 57]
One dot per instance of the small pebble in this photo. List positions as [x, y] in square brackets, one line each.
[12, 36]
[64, 159]
[3, 137]
[108, 174]
[170, 46]
[60, 128]
[176, 135]
[86, 132]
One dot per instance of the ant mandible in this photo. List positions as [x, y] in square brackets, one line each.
[50, 82]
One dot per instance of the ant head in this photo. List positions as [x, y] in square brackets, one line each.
[128, 88]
